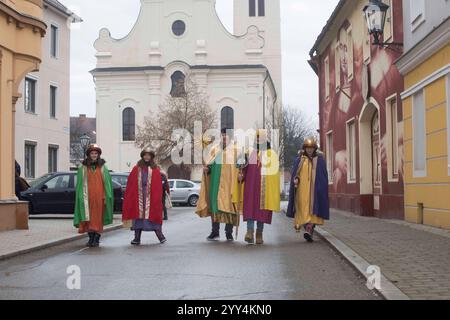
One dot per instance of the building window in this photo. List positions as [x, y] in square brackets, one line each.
[178, 85]
[337, 66]
[392, 136]
[350, 53]
[179, 28]
[128, 125]
[53, 93]
[30, 160]
[252, 8]
[329, 155]
[227, 118]
[30, 95]
[351, 150]
[52, 158]
[367, 46]
[54, 41]
[419, 135]
[387, 35]
[261, 8]
[417, 10]
[327, 77]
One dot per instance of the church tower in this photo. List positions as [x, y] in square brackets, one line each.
[266, 15]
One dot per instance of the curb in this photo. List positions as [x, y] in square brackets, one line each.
[54, 243]
[387, 289]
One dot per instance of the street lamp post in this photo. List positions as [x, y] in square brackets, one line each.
[375, 14]
[85, 140]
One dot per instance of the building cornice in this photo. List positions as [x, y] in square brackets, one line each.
[327, 27]
[430, 44]
[23, 19]
[62, 9]
[159, 68]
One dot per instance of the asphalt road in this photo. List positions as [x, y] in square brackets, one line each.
[187, 267]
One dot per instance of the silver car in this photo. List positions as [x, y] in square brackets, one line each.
[184, 192]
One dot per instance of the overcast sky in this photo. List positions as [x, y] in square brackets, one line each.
[302, 21]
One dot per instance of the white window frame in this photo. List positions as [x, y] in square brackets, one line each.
[36, 88]
[35, 145]
[393, 171]
[351, 145]
[367, 46]
[54, 147]
[421, 173]
[327, 78]
[337, 66]
[55, 85]
[329, 156]
[57, 44]
[350, 54]
[389, 26]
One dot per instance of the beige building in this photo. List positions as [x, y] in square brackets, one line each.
[43, 112]
[21, 29]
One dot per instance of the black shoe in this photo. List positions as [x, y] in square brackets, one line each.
[96, 242]
[90, 243]
[213, 237]
[309, 233]
[137, 238]
[160, 236]
[230, 237]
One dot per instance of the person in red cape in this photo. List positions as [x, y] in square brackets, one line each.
[143, 205]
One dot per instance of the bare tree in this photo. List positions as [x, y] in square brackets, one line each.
[295, 127]
[186, 105]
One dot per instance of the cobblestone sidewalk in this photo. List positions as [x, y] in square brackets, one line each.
[42, 233]
[416, 259]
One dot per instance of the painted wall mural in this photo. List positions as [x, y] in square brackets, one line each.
[364, 89]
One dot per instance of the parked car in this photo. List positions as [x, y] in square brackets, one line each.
[184, 192]
[55, 193]
[120, 178]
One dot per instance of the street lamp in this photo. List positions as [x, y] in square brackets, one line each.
[85, 140]
[375, 13]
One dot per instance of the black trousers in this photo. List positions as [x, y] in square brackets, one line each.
[216, 228]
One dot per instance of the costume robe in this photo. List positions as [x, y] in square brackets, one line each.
[261, 186]
[220, 192]
[143, 199]
[311, 197]
[94, 199]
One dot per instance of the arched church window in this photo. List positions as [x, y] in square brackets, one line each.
[178, 28]
[261, 8]
[227, 118]
[128, 125]
[178, 84]
[252, 8]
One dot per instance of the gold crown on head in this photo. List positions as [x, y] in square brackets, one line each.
[310, 143]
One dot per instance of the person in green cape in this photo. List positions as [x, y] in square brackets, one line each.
[219, 193]
[94, 199]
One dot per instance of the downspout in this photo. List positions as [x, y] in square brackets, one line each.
[264, 99]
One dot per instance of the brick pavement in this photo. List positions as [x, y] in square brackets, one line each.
[414, 258]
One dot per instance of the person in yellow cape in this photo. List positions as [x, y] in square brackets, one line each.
[261, 180]
[308, 196]
[220, 193]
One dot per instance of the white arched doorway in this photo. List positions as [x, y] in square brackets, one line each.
[370, 153]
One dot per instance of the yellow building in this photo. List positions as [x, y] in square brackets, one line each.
[426, 103]
[21, 32]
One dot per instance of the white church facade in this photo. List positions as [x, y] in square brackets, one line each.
[240, 72]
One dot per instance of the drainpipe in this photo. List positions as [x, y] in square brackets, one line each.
[264, 99]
